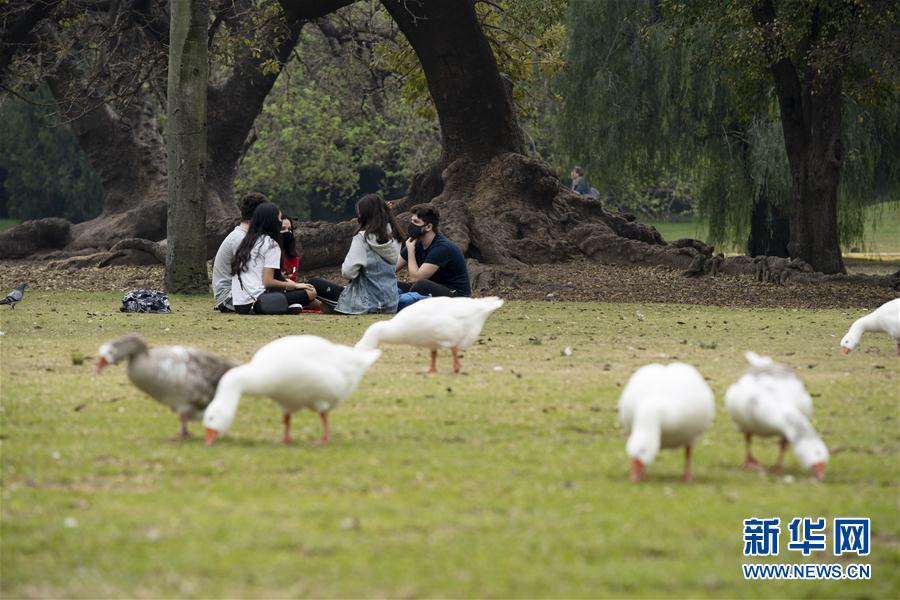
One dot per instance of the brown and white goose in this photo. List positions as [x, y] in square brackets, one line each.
[182, 378]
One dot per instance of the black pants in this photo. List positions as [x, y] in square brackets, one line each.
[426, 287]
[329, 292]
[326, 291]
[293, 297]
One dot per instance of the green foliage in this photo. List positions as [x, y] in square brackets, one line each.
[492, 484]
[684, 94]
[527, 38]
[43, 172]
[322, 123]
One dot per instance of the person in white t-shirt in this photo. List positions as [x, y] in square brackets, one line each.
[221, 274]
[257, 259]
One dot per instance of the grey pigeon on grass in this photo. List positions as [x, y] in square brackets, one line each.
[15, 296]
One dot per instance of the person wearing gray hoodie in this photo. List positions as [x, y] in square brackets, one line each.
[370, 264]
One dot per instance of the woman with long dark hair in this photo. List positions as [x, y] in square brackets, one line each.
[370, 264]
[256, 262]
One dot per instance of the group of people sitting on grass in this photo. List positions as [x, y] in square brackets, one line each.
[259, 259]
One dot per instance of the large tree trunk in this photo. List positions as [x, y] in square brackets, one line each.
[186, 146]
[128, 152]
[474, 104]
[810, 106]
[816, 171]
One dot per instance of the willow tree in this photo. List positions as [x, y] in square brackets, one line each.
[645, 100]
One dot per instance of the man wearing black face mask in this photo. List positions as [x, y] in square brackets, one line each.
[436, 265]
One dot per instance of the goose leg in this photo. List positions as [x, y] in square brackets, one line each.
[779, 466]
[326, 433]
[433, 368]
[750, 463]
[456, 364]
[184, 433]
[687, 476]
[286, 419]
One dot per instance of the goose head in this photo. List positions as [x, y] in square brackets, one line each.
[643, 445]
[851, 339]
[119, 349]
[848, 343]
[813, 454]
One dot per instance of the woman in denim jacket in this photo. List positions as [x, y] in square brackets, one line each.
[370, 264]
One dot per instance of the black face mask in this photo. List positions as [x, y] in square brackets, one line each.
[415, 231]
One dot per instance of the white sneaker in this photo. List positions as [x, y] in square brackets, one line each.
[295, 309]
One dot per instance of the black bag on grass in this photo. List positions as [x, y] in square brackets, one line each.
[145, 301]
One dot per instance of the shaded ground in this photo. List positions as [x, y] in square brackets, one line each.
[578, 280]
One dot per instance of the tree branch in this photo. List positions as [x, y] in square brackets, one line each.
[17, 32]
[307, 10]
[786, 79]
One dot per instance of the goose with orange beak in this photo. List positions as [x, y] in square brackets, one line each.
[299, 371]
[180, 377]
[434, 323]
[885, 318]
[770, 400]
[664, 407]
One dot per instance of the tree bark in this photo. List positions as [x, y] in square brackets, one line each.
[128, 152]
[769, 230]
[186, 145]
[474, 105]
[816, 174]
[810, 105]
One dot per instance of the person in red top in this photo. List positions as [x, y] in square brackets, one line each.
[290, 260]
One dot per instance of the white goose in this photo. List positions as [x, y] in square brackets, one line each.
[885, 318]
[298, 371]
[182, 378]
[664, 407]
[434, 323]
[770, 400]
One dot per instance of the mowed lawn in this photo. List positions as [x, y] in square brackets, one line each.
[509, 480]
[881, 237]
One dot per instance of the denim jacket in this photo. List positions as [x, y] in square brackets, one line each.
[373, 290]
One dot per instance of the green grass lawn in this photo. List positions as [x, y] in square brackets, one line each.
[499, 482]
[8, 224]
[882, 234]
